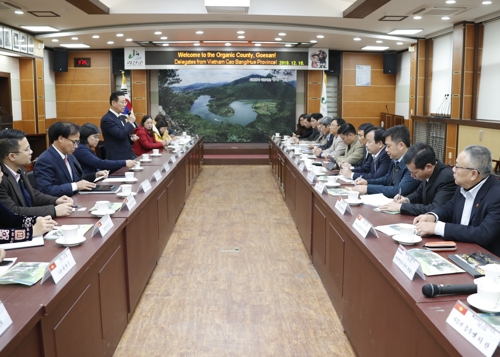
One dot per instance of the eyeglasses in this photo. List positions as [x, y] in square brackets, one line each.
[75, 142]
[465, 168]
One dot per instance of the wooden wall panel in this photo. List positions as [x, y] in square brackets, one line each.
[28, 106]
[140, 94]
[420, 99]
[364, 104]
[313, 91]
[468, 71]
[40, 95]
[82, 94]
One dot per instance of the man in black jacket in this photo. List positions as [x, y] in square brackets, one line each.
[437, 186]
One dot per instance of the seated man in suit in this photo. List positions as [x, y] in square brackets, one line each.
[398, 180]
[473, 213]
[57, 172]
[437, 184]
[117, 130]
[378, 162]
[337, 145]
[325, 139]
[362, 129]
[16, 192]
[354, 150]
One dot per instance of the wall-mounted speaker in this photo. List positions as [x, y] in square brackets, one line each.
[118, 59]
[390, 62]
[334, 59]
[60, 61]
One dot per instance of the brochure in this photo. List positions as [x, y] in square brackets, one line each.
[472, 263]
[23, 273]
[338, 192]
[434, 264]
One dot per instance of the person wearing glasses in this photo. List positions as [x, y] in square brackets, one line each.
[117, 129]
[16, 191]
[57, 172]
[337, 145]
[325, 139]
[473, 213]
[84, 153]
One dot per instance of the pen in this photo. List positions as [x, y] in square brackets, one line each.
[399, 194]
[358, 179]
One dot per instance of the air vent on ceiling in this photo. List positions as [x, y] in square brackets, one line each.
[304, 45]
[44, 14]
[439, 10]
[393, 18]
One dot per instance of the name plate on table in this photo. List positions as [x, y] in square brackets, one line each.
[156, 176]
[59, 267]
[320, 188]
[363, 227]
[165, 167]
[408, 265]
[297, 160]
[311, 177]
[5, 320]
[302, 167]
[474, 329]
[144, 186]
[342, 206]
[129, 202]
[172, 159]
[102, 226]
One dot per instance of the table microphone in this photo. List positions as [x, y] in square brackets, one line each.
[431, 290]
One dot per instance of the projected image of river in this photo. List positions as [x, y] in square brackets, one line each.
[243, 112]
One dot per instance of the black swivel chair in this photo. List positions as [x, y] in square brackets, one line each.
[31, 178]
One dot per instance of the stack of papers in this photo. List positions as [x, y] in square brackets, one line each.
[375, 200]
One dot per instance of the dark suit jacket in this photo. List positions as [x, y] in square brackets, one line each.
[484, 224]
[384, 163]
[90, 163]
[403, 180]
[12, 198]
[117, 138]
[52, 176]
[432, 194]
[328, 143]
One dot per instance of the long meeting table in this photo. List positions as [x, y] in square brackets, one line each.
[382, 311]
[86, 313]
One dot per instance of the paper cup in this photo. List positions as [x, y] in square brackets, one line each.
[69, 232]
[126, 189]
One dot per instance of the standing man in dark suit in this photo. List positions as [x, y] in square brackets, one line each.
[117, 129]
[16, 192]
[473, 214]
[57, 172]
[437, 184]
[398, 180]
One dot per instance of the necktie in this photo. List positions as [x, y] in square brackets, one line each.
[25, 193]
[375, 164]
[395, 171]
[68, 166]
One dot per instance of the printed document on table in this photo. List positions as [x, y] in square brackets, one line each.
[375, 200]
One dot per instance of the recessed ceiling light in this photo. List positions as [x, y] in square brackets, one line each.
[417, 17]
[129, 40]
[313, 41]
[227, 44]
[158, 33]
[405, 32]
[399, 43]
[282, 34]
[445, 18]
[450, 1]
[165, 45]
[74, 38]
[55, 40]
[95, 36]
[288, 45]
[240, 32]
[356, 39]
[74, 45]
[375, 48]
[19, 12]
[110, 42]
[320, 36]
[196, 44]
[199, 32]
[163, 38]
[277, 39]
[258, 44]
[119, 35]
[486, 2]
[379, 41]
[40, 28]
[241, 36]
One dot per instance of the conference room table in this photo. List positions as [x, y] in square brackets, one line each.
[87, 311]
[383, 312]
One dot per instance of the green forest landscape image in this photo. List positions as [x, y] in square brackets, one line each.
[229, 105]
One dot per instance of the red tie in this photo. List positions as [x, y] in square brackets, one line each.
[68, 166]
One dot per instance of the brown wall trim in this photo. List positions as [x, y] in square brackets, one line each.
[477, 123]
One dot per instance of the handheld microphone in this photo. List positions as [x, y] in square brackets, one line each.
[431, 290]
